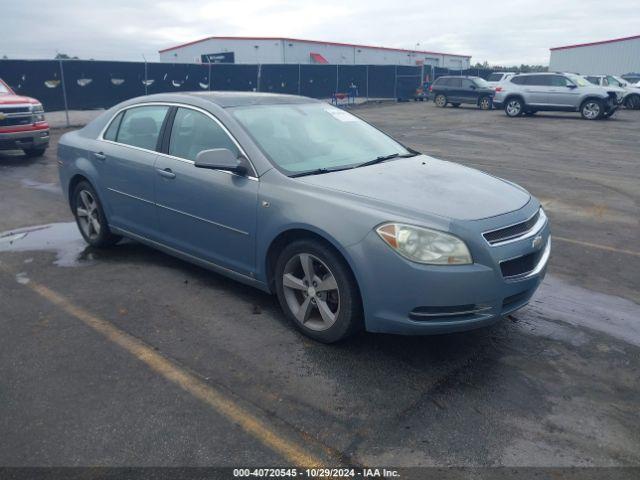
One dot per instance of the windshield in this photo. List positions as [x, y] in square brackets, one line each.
[495, 77]
[481, 82]
[580, 81]
[313, 136]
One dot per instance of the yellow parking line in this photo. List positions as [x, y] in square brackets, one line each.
[595, 245]
[254, 426]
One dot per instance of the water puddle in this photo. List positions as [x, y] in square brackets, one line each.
[559, 301]
[62, 238]
[47, 187]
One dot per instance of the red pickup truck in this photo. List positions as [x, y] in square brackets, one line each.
[22, 124]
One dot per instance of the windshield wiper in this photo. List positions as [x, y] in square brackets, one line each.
[318, 171]
[384, 158]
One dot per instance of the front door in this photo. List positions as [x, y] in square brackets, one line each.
[210, 214]
[125, 161]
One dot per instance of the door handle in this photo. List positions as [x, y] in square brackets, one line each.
[166, 173]
[100, 156]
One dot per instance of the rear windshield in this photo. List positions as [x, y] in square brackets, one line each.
[495, 77]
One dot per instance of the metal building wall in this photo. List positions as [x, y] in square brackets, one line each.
[614, 58]
[268, 51]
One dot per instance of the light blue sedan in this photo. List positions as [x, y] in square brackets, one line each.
[351, 229]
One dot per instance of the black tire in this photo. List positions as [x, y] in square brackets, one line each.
[440, 100]
[632, 102]
[455, 105]
[35, 152]
[484, 103]
[348, 317]
[514, 107]
[102, 238]
[592, 109]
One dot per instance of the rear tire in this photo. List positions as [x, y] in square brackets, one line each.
[90, 217]
[440, 100]
[514, 107]
[484, 103]
[592, 109]
[632, 102]
[317, 291]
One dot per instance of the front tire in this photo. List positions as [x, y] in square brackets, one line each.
[514, 107]
[632, 102]
[90, 217]
[592, 109]
[440, 101]
[318, 292]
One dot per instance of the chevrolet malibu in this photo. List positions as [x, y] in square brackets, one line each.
[349, 228]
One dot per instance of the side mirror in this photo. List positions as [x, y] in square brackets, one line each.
[572, 86]
[222, 159]
[472, 87]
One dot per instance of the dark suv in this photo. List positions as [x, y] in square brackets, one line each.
[457, 90]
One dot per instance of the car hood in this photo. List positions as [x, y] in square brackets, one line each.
[15, 99]
[425, 185]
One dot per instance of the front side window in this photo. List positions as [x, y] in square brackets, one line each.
[559, 81]
[306, 137]
[140, 126]
[193, 132]
[593, 80]
[613, 81]
[467, 84]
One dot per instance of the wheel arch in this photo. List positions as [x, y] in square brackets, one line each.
[73, 183]
[302, 232]
[511, 96]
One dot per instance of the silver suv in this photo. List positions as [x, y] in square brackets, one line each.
[532, 92]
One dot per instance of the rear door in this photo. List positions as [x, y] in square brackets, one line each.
[537, 90]
[125, 162]
[210, 214]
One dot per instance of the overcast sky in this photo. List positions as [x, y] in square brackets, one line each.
[501, 32]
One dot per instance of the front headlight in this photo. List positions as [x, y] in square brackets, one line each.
[37, 108]
[424, 245]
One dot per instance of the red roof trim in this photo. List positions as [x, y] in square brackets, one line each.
[602, 42]
[317, 42]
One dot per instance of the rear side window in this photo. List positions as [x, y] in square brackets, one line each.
[441, 82]
[540, 80]
[518, 80]
[193, 132]
[112, 131]
[455, 82]
[140, 126]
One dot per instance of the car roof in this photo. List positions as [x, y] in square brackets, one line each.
[234, 99]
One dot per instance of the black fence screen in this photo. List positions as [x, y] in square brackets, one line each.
[90, 84]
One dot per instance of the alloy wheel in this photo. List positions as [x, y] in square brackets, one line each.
[87, 213]
[514, 108]
[441, 101]
[311, 291]
[591, 110]
[484, 104]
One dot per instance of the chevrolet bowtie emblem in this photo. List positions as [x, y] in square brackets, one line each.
[537, 242]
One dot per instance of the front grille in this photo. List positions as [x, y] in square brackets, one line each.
[15, 121]
[521, 265]
[511, 232]
[7, 109]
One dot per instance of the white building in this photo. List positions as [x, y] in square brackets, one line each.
[264, 50]
[614, 57]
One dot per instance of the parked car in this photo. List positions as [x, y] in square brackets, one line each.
[457, 90]
[497, 77]
[631, 97]
[22, 123]
[633, 78]
[532, 92]
[348, 227]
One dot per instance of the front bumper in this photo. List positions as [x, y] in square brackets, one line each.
[24, 139]
[407, 298]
